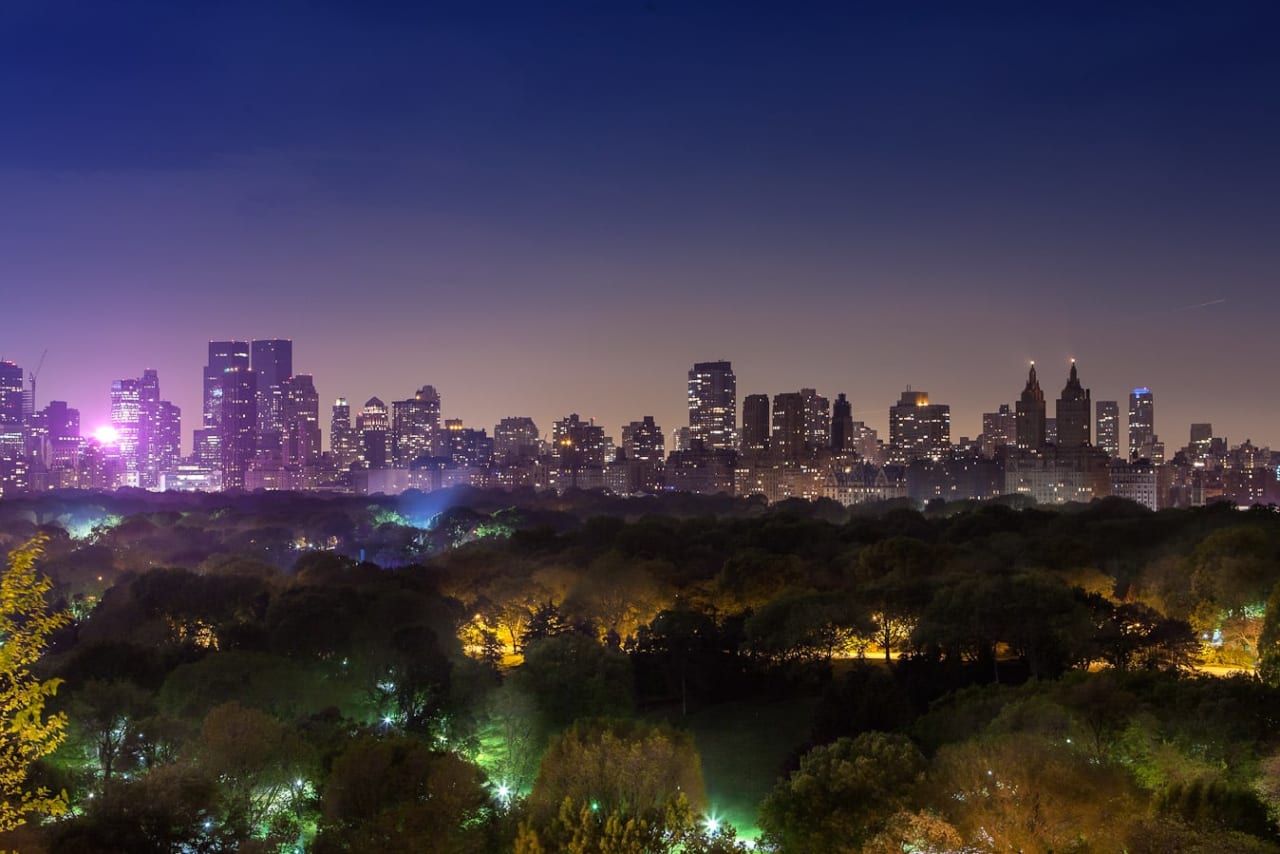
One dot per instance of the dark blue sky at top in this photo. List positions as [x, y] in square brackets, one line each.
[552, 207]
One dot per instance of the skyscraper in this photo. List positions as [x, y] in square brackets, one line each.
[515, 439]
[755, 424]
[841, 424]
[817, 419]
[1029, 412]
[1074, 408]
[13, 463]
[223, 356]
[789, 426]
[272, 362]
[301, 420]
[238, 424]
[919, 429]
[415, 426]
[1142, 421]
[713, 405]
[344, 446]
[373, 426]
[126, 420]
[1108, 412]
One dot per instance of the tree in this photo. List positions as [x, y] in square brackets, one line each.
[1269, 641]
[26, 733]
[571, 676]
[106, 714]
[842, 793]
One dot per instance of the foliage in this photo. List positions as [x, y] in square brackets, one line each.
[26, 731]
[842, 793]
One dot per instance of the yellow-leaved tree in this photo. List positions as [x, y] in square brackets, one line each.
[26, 732]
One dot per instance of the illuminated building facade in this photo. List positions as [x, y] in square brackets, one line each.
[344, 444]
[1142, 422]
[272, 363]
[300, 417]
[919, 429]
[373, 426]
[415, 426]
[13, 457]
[999, 430]
[713, 405]
[238, 425]
[515, 440]
[1108, 422]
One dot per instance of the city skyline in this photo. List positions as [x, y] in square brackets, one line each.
[542, 211]
[873, 413]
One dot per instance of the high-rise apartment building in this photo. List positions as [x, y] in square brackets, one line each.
[755, 424]
[415, 426]
[789, 440]
[1029, 412]
[1074, 409]
[1108, 418]
[1142, 421]
[713, 405]
[817, 419]
[515, 439]
[642, 441]
[999, 430]
[919, 429]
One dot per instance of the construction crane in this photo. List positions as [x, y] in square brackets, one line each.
[32, 377]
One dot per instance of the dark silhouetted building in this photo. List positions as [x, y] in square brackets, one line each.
[841, 424]
[1142, 422]
[755, 424]
[238, 427]
[1029, 412]
[1074, 411]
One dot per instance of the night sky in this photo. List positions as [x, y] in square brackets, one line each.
[543, 208]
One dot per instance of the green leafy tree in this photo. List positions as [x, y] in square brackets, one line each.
[842, 793]
[26, 732]
[1269, 641]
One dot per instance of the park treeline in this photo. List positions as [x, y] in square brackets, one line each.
[483, 672]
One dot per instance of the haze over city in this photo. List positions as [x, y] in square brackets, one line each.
[543, 210]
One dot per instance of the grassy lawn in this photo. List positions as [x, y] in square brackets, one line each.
[743, 745]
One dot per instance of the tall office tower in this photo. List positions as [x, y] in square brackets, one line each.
[841, 424]
[515, 439]
[344, 444]
[999, 430]
[126, 419]
[919, 429]
[1029, 412]
[165, 449]
[755, 424]
[301, 420]
[642, 440]
[63, 426]
[817, 419]
[238, 428]
[223, 356]
[13, 462]
[682, 439]
[1142, 421]
[373, 427]
[1108, 412]
[713, 405]
[1074, 411]
[148, 390]
[415, 426]
[272, 361]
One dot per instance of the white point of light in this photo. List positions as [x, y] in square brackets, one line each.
[106, 435]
